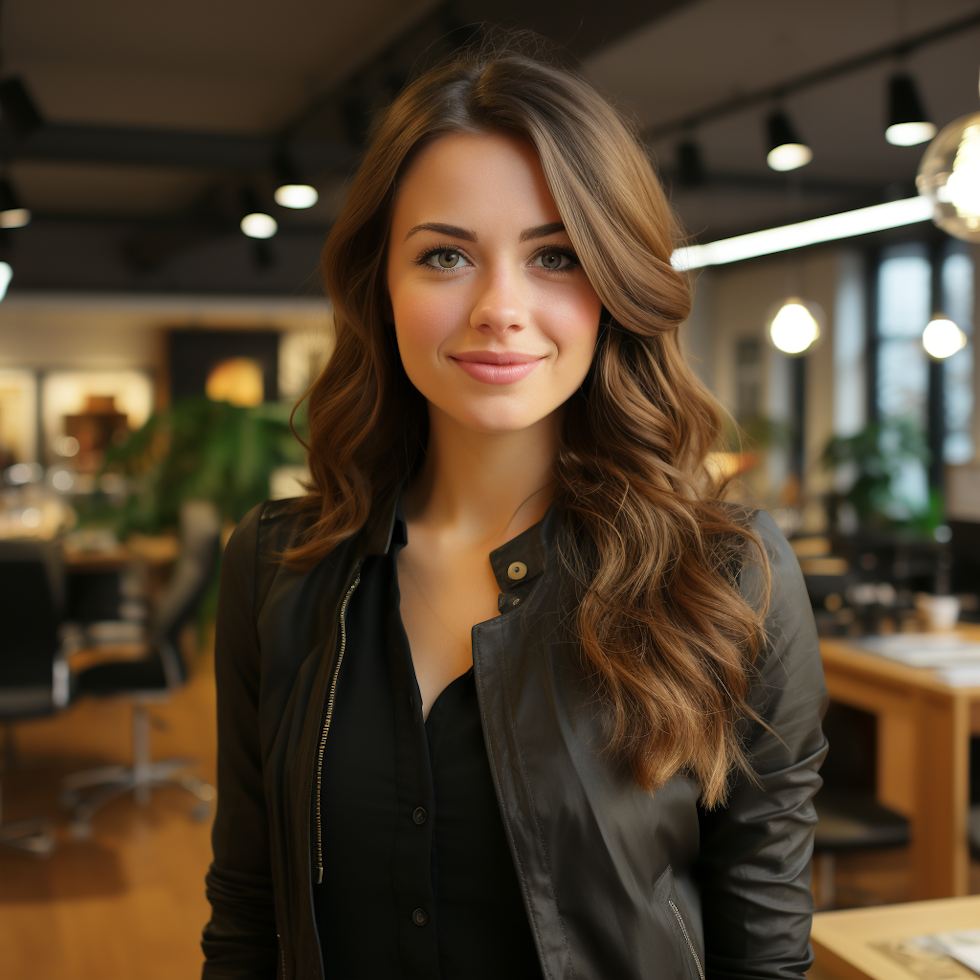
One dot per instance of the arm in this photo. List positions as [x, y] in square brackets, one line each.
[754, 867]
[240, 939]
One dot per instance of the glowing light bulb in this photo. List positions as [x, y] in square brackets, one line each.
[910, 133]
[296, 196]
[794, 328]
[942, 338]
[15, 218]
[789, 156]
[259, 225]
[949, 176]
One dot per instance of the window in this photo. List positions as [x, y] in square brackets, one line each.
[914, 280]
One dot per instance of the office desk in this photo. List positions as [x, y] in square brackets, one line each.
[843, 942]
[153, 552]
[924, 729]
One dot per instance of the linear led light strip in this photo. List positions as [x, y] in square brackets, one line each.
[848, 224]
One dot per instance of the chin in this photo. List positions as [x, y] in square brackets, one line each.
[494, 419]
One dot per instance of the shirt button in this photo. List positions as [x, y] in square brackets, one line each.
[419, 815]
[419, 917]
[516, 570]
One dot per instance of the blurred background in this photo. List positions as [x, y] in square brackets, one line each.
[167, 178]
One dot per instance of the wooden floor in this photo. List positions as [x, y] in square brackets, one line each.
[128, 904]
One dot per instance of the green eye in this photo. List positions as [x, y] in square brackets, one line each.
[448, 260]
[552, 260]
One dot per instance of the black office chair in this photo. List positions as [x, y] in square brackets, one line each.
[849, 818]
[34, 647]
[151, 680]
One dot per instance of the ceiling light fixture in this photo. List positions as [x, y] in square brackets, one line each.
[255, 222]
[19, 110]
[848, 224]
[296, 195]
[690, 170]
[291, 191]
[942, 338]
[259, 225]
[786, 150]
[795, 326]
[12, 213]
[908, 124]
[949, 177]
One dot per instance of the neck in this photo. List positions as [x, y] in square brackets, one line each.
[481, 488]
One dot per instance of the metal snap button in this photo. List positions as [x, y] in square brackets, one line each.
[419, 815]
[419, 917]
[516, 601]
[516, 570]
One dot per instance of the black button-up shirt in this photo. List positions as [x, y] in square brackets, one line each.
[418, 876]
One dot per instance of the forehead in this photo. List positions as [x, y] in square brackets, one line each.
[474, 176]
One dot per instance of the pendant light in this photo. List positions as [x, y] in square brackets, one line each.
[255, 222]
[942, 338]
[12, 213]
[949, 176]
[908, 124]
[291, 191]
[690, 170]
[20, 113]
[787, 151]
[795, 325]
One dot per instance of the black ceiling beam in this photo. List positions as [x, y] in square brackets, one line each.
[191, 149]
[774, 93]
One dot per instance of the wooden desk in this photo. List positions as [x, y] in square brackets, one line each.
[924, 728]
[843, 942]
[153, 552]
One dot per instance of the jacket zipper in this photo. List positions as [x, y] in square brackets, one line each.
[326, 725]
[687, 938]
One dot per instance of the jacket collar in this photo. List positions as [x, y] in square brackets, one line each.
[515, 563]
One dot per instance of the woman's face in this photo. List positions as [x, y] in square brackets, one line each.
[495, 319]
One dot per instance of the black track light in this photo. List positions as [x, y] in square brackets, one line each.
[291, 191]
[12, 213]
[19, 111]
[689, 167]
[908, 123]
[786, 150]
[255, 222]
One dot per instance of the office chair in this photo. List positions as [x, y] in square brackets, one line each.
[34, 647]
[849, 818]
[151, 680]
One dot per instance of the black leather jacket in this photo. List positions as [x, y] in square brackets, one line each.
[617, 884]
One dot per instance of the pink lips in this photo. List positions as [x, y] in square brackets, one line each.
[497, 367]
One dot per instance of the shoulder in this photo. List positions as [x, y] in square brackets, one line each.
[774, 554]
[262, 535]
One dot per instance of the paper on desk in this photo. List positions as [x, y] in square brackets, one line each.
[920, 962]
[962, 675]
[963, 945]
[935, 650]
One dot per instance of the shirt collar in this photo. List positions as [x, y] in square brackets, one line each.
[515, 563]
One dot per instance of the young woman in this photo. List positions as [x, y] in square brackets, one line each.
[511, 692]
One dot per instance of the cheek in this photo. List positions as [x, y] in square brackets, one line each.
[423, 321]
[576, 318]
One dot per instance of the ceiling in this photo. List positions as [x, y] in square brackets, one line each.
[158, 116]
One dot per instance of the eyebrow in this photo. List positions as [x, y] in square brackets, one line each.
[540, 231]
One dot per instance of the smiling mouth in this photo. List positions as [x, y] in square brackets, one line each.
[505, 370]
[496, 357]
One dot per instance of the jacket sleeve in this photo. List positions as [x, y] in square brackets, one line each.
[240, 939]
[754, 866]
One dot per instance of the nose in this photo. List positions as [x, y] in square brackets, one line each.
[501, 304]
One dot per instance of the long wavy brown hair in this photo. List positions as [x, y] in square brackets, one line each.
[648, 546]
